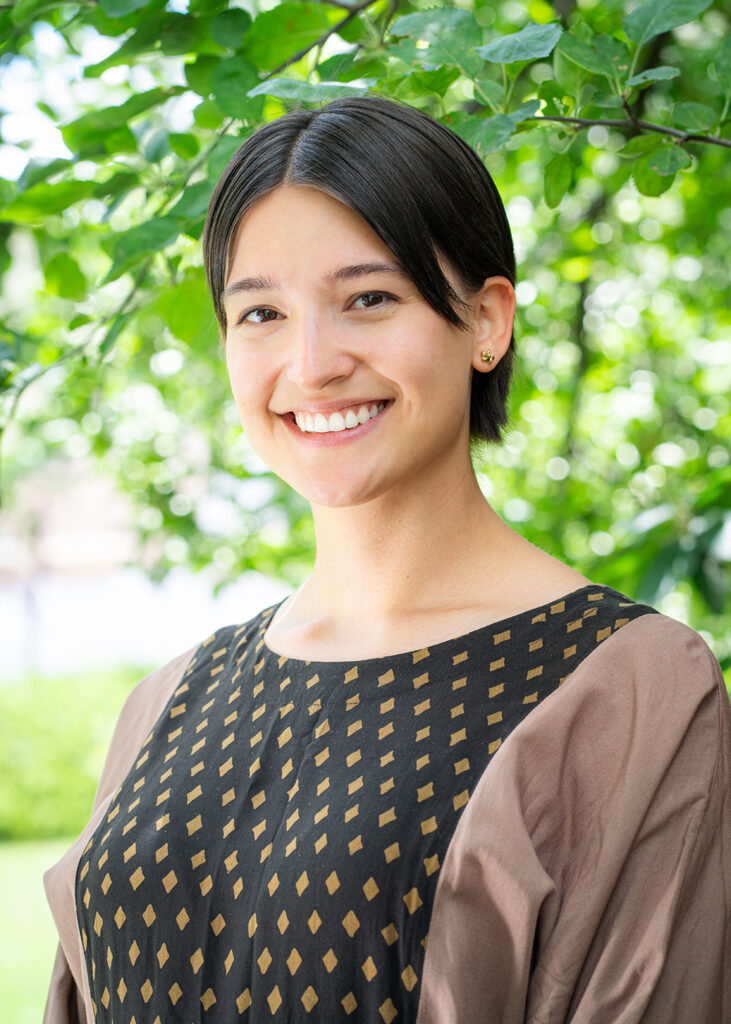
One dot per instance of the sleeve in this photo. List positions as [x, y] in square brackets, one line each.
[589, 878]
[68, 998]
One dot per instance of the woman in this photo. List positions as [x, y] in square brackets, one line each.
[445, 733]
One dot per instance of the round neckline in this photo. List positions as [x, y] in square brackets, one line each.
[472, 636]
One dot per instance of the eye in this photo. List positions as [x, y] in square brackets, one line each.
[258, 315]
[373, 300]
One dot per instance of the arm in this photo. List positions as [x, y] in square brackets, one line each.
[589, 877]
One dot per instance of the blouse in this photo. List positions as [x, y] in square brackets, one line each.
[525, 823]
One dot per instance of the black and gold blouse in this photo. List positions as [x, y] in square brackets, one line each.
[275, 849]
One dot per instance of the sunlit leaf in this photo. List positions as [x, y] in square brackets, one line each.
[43, 200]
[668, 160]
[63, 277]
[232, 80]
[653, 75]
[310, 92]
[442, 35]
[602, 55]
[487, 134]
[94, 126]
[184, 145]
[557, 179]
[281, 32]
[193, 202]
[652, 17]
[229, 27]
[186, 310]
[530, 43]
[199, 74]
[649, 181]
[119, 8]
[694, 117]
[722, 63]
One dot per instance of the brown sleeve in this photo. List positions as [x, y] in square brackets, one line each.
[589, 878]
[68, 998]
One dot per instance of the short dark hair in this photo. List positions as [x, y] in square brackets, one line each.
[413, 180]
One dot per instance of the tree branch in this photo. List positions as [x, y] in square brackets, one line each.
[648, 126]
[354, 12]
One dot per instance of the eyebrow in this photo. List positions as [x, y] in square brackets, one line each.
[252, 284]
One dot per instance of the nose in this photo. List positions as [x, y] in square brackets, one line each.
[317, 356]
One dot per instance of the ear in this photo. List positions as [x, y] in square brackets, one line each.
[493, 314]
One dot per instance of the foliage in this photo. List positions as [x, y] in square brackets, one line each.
[44, 723]
[606, 126]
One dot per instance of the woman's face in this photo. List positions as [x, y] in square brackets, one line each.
[347, 382]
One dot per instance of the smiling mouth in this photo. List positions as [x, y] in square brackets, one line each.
[334, 422]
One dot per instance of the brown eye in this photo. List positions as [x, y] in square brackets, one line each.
[372, 300]
[259, 315]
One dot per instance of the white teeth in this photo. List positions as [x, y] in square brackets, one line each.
[336, 421]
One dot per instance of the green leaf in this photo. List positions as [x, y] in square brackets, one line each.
[145, 37]
[603, 55]
[225, 149]
[530, 43]
[606, 101]
[152, 236]
[94, 127]
[648, 181]
[118, 183]
[118, 325]
[232, 80]
[118, 8]
[652, 17]
[486, 134]
[186, 310]
[199, 74]
[552, 95]
[653, 75]
[524, 111]
[492, 91]
[63, 277]
[156, 146]
[668, 160]
[310, 92]
[443, 35]
[640, 144]
[567, 73]
[694, 117]
[722, 64]
[289, 27]
[24, 10]
[208, 115]
[43, 200]
[7, 192]
[193, 202]
[557, 179]
[436, 81]
[184, 145]
[183, 34]
[36, 170]
[229, 28]
[337, 65]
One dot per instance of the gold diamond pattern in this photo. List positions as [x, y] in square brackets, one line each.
[230, 787]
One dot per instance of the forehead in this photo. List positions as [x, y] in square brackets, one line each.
[299, 227]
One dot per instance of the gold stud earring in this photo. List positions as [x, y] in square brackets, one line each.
[487, 357]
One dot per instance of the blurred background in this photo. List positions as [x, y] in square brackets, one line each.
[135, 519]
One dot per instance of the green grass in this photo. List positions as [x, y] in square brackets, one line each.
[28, 935]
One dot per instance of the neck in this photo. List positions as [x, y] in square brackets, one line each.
[403, 552]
